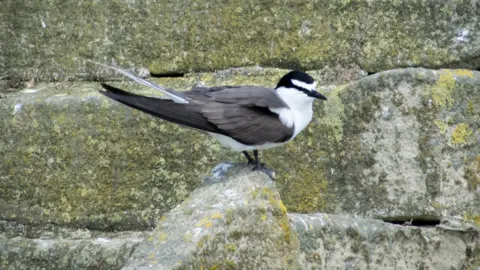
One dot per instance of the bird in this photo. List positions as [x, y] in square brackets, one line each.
[242, 118]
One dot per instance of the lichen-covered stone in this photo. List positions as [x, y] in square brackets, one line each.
[395, 145]
[59, 248]
[51, 39]
[72, 157]
[235, 220]
[345, 242]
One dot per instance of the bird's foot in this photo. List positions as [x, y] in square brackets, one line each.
[261, 167]
[251, 161]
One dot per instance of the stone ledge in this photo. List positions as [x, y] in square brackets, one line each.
[329, 241]
[50, 40]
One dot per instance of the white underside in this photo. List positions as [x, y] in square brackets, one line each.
[298, 115]
[234, 145]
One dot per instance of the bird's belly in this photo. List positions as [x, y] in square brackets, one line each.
[228, 142]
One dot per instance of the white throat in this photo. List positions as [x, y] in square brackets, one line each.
[299, 113]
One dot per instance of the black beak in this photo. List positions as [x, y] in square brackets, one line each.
[316, 95]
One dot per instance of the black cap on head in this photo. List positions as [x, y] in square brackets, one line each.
[286, 81]
[302, 82]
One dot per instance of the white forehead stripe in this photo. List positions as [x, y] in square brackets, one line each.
[308, 86]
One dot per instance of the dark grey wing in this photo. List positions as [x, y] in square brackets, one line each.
[243, 112]
[247, 95]
[166, 109]
[251, 125]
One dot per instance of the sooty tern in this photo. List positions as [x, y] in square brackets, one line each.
[242, 118]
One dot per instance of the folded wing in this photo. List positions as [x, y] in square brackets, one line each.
[251, 125]
[242, 113]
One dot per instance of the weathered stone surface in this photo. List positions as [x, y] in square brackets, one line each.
[51, 247]
[75, 158]
[50, 39]
[235, 220]
[343, 242]
[401, 143]
[396, 145]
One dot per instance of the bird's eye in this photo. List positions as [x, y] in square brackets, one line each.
[304, 85]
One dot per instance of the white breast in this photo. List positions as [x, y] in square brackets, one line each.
[300, 111]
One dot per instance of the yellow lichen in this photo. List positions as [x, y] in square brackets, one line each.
[436, 205]
[308, 193]
[230, 263]
[463, 73]
[208, 224]
[441, 126]
[461, 133]
[150, 238]
[442, 91]
[274, 200]
[230, 247]
[285, 225]
[202, 241]
[282, 207]
[216, 216]
[162, 237]
[202, 222]
[255, 193]
[474, 218]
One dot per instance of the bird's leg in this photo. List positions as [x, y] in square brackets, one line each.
[258, 166]
[261, 166]
[250, 159]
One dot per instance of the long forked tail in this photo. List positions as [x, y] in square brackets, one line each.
[173, 95]
[162, 108]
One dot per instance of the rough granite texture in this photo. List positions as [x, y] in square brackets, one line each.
[78, 159]
[343, 242]
[51, 39]
[397, 145]
[52, 247]
[235, 220]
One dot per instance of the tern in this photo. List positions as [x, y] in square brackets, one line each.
[242, 118]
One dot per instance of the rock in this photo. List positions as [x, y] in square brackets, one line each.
[344, 242]
[235, 220]
[60, 248]
[50, 40]
[72, 157]
[396, 145]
